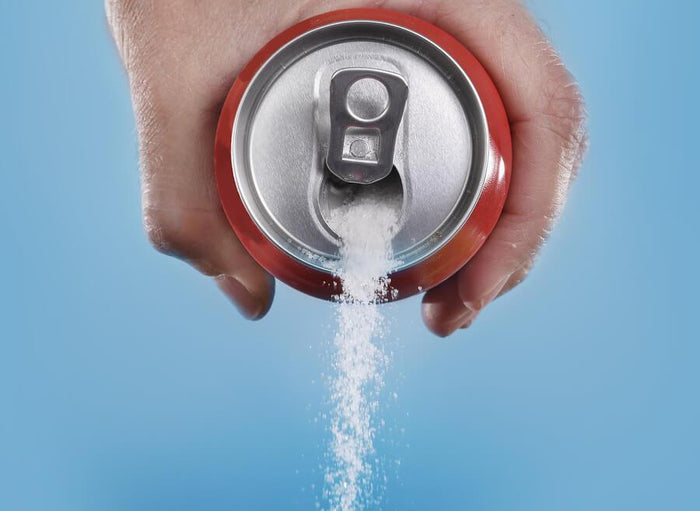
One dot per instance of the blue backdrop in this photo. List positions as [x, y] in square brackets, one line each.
[127, 382]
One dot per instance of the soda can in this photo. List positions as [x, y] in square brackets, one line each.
[354, 98]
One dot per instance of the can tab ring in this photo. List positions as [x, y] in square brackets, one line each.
[366, 108]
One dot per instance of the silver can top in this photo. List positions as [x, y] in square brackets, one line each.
[359, 104]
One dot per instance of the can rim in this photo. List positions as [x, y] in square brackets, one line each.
[439, 264]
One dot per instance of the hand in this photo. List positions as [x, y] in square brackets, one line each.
[182, 56]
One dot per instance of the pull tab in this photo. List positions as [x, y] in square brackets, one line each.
[366, 107]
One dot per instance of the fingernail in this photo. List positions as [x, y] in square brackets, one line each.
[482, 302]
[247, 304]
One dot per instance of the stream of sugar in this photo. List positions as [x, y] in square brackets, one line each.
[366, 226]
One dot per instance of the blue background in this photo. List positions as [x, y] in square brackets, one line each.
[127, 382]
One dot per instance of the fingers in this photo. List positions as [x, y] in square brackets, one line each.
[182, 215]
[547, 115]
[539, 184]
[441, 312]
[205, 240]
[181, 208]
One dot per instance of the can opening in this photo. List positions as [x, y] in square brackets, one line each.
[336, 193]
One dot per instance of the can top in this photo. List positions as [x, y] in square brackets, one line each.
[285, 134]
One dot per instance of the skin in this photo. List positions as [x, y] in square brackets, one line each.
[181, 57]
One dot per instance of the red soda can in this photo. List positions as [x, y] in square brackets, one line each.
[362, 98]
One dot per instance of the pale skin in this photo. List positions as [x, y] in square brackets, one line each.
[181, 57]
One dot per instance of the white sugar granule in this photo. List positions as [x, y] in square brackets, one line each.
[366, 225]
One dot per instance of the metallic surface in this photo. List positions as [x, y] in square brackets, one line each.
[283, 128]
[451, 148]
[366, 108]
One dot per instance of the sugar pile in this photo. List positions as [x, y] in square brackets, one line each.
[366, 224]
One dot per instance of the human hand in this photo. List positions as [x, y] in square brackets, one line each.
[182, 56]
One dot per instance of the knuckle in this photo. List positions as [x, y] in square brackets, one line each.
[159, 235]
[564, 113]
[169, 233]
